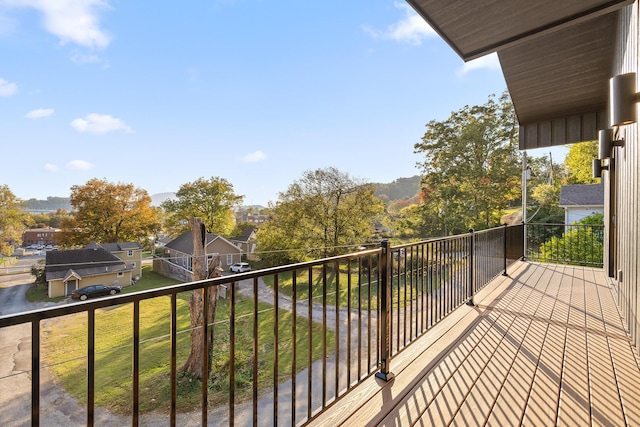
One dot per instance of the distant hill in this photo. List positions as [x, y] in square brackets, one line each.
[400, 189]
[51, 204]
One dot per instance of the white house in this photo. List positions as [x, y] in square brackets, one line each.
[581, 200]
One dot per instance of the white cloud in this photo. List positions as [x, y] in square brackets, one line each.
[80, 58]
[72, 21]
[256, 156]
[100, 124]
[80, 165]
[7, 88]
[39, 113]
[49, 167]
[490, 61]
[411, 29]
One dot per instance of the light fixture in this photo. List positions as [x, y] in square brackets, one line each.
[597, 168]
[623, 100]
[606, 141]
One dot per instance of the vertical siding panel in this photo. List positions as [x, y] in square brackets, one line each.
[631, 182]
[632, 165]
[628, 178]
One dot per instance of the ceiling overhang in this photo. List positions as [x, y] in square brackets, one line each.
[556, 56]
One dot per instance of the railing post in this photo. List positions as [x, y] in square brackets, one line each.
[506, 247]
[524, 241]
[471, 267]
[385, 310]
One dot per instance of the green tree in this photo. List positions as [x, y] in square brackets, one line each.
[546, 179]
[579, 162]
[325, 213]
[12, 219]
[53, 219]
[38, 270]
[471, 167]
[107, 213]
[581, 244]
[212, 200]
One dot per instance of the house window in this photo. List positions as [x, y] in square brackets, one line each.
[229, 259]
[130, 253]
[133, 265]
[120, 274]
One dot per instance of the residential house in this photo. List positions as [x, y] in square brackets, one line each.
[129, 252]
[581, 200]
[179, 252]
[40, 236]
[246, 242]
[254, 218]
[68, 270]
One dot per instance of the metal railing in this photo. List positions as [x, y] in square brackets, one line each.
[575, 244]
[430, 279]
[316, 329]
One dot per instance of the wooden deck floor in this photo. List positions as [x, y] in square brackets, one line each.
[544, 346]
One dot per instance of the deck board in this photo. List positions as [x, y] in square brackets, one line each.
[545, 346]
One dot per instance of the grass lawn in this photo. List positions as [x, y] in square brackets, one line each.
[64, 351]
[348, 285]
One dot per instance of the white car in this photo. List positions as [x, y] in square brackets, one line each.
[240, 267]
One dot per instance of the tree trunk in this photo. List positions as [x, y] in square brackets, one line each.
[193, 364]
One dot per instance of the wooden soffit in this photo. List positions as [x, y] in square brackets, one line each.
[477, 28]
[556, 57]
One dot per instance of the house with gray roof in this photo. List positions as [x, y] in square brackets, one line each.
[179, 251]
[246, 241]
[129, 252]
[68, 270]
[581, 200]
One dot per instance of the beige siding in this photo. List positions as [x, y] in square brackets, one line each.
[57, 287]
[223, 248]
[135, 258]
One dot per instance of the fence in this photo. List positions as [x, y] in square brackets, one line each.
[289, 341]
[575, 244]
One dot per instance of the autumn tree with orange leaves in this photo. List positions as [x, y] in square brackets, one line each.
[108, 213]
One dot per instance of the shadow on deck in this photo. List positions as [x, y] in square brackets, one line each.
[545, 346]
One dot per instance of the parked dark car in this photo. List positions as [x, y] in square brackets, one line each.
[95, 291]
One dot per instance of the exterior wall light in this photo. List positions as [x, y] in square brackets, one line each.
[606, 141]
[597, 168]
[623, 99]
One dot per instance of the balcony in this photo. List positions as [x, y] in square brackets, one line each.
[430, 333]
[544, 346]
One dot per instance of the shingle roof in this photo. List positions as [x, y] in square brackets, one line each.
[83, 262]
[115, 247]
[184, 242]
[245, 236]
[582, 195]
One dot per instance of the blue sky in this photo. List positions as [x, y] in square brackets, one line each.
[162, 93]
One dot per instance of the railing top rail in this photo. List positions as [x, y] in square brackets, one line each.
[454, 237]
[564, 225]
